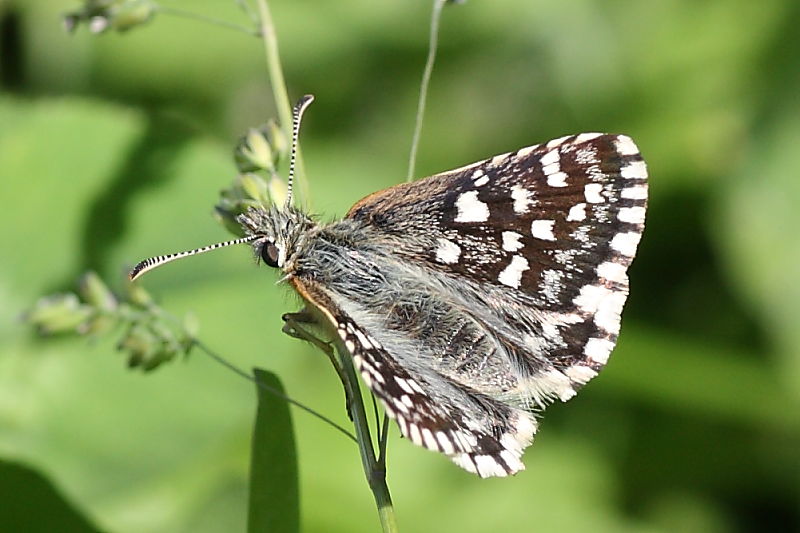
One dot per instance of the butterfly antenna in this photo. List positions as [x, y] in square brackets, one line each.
[297, 116]
[154, 262]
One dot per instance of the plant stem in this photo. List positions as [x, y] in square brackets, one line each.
[423, 89]
[282, 104]
[244, 6]
[230, 366]
[374, 469]
[279, 91]
[176, 12]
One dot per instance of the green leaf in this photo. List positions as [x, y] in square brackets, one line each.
[274, 497]
[32, 503]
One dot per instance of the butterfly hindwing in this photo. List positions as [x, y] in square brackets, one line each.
[479, 433]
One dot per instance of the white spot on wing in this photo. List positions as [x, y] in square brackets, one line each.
[608, 315]
[634, 215]
[579, 373]
[557, 142]
[598, 350]
[512, 461]
[552, 168]
[401, 405]
[488, 466]
[403, 384]
[448, 252]
[550, 158]
[480, 182]
[606, 305]
[584, 137]
[512, 274]
[626, 243]
[415, 386]
[444, 443]
[430, 441]
[543, 229]
[591, 297]
[470, 209]
[464, 461]
[523, 152]
[639, 192]
[592, 193]
[522, 199]
[500, 159]
[635, 170]
[511, 241]
[558, 179]
[612, 271]
[414, 434]
[544, 385]
[363, 340]
[577, 213]
[367, 379]
[625, 145]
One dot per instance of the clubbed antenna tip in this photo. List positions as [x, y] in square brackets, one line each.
[297, 115]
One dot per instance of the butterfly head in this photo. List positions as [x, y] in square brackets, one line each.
[276, 234]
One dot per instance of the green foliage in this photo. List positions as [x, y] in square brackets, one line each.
[119, 15]
[150, 336]
[274, 494]
[115, 148]
[258, 156]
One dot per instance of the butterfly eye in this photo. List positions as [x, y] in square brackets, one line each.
[269, 253]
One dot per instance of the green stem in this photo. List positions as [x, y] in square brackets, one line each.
[423, 89]
[176, 12]
[245, 7]
[374, 469]
[279, 91]
[221, 360]
[282, 104]
[384, 436]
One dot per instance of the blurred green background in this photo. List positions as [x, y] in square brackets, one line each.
[114, 147]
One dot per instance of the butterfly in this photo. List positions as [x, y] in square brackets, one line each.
[471, 299]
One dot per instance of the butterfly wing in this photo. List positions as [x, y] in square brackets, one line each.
[550, 230]
[482, 435]
[474, 296]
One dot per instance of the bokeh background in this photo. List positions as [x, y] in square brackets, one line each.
[114, 147]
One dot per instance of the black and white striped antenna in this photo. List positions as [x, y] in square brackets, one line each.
[297, 116]
[155, 262]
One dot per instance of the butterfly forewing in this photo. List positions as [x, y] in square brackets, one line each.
[549, 230]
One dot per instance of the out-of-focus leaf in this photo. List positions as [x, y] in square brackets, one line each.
[95, 292]
[274, 503]
[32, 504]
[59, 313]
[102, 15]
[760, 232]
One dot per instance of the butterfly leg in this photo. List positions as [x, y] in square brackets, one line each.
[293, 328]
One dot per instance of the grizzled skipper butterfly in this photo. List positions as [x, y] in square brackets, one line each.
[472, 298]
